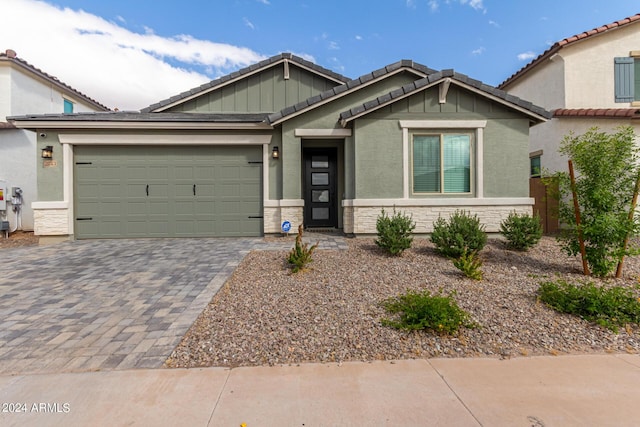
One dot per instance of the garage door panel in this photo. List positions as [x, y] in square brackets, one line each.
[112, 190]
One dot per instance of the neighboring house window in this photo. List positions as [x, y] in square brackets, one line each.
[441, 163]
[68, 106]
[535, 166]
[627, 79]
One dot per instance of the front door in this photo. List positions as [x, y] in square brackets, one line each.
[320, 188]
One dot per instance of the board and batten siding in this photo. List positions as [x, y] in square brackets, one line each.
[267, 91]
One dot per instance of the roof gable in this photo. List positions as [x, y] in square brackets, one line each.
[566, 42]
[286, 60]
[445, 78]
[349, 87]
[9, 56]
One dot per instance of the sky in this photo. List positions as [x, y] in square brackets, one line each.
[129, 54]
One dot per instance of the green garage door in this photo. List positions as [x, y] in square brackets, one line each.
[167, 191]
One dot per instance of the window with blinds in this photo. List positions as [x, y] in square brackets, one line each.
[442, 163]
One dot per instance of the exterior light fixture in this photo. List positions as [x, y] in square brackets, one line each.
[275, 153]
[47, 152]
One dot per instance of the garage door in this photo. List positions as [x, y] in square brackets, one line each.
[167, 191]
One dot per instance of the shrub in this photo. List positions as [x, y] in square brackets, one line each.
[522, 231]
[469, 263]
[394, 233]
[607, 169]
[461, 233]
[611, 308]
[300, 255]
[421, 310]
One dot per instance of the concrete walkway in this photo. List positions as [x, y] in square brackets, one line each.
[595, 390]
[113, 304]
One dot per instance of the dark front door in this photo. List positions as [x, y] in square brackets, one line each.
[320, 188]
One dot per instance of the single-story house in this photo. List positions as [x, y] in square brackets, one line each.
[287, 140]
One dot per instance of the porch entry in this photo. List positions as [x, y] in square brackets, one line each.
[320, 187]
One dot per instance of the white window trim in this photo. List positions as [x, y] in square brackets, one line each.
[472, 125]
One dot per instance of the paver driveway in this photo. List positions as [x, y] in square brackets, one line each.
[109, 304]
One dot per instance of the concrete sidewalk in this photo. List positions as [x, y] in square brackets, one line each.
[593, 390]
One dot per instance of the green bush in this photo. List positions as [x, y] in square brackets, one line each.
[300, 255]
[421, 310]
[522, 231]
[461, 233]
[469, 263]
[611, 308]
[394, 233]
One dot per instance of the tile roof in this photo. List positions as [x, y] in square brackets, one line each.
[10, 56]
[244, 71]
[567, 41]
[434, 78]
[134, 116]
[605, 113]
[348, 86]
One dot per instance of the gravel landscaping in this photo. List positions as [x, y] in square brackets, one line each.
[264, 315]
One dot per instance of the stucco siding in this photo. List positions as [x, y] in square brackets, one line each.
[589, 69]
[378, 160]
[548, 136]
[545, 85]
[506, 159]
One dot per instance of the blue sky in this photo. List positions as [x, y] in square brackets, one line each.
[132, 53]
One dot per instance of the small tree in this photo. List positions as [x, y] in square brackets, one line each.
[607, 169]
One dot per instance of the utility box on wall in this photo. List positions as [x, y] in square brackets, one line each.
[3, 195]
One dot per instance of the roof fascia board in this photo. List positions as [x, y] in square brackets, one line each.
[70, 124]
[347, 92]
[221, 85]
[133, 139]
[531, 114]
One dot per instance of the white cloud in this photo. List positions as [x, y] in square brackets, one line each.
[333, 46]
[494, 24]
[478, 51]
[525, 56]
[267, 2]
[476, 4]
[358, 37]
[411, 4]
[249, 23]
[107, 62]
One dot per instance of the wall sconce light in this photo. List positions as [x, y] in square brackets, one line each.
[47, 152]
[275, 153]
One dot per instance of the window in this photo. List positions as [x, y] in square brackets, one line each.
[535, 166]
[627, 79]
[441, 163]
[68, 106]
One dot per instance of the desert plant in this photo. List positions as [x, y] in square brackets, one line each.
[300, 255]
[607, 169]
[421, 310]
[462, 232]
[609, 307]
[522, 231]
[394, 233]
[469, 263]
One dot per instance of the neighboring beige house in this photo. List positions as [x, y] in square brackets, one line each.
[589, 79]
[26, 89]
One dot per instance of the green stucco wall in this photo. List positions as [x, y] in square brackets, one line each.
[50, 172]
[373, 156]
